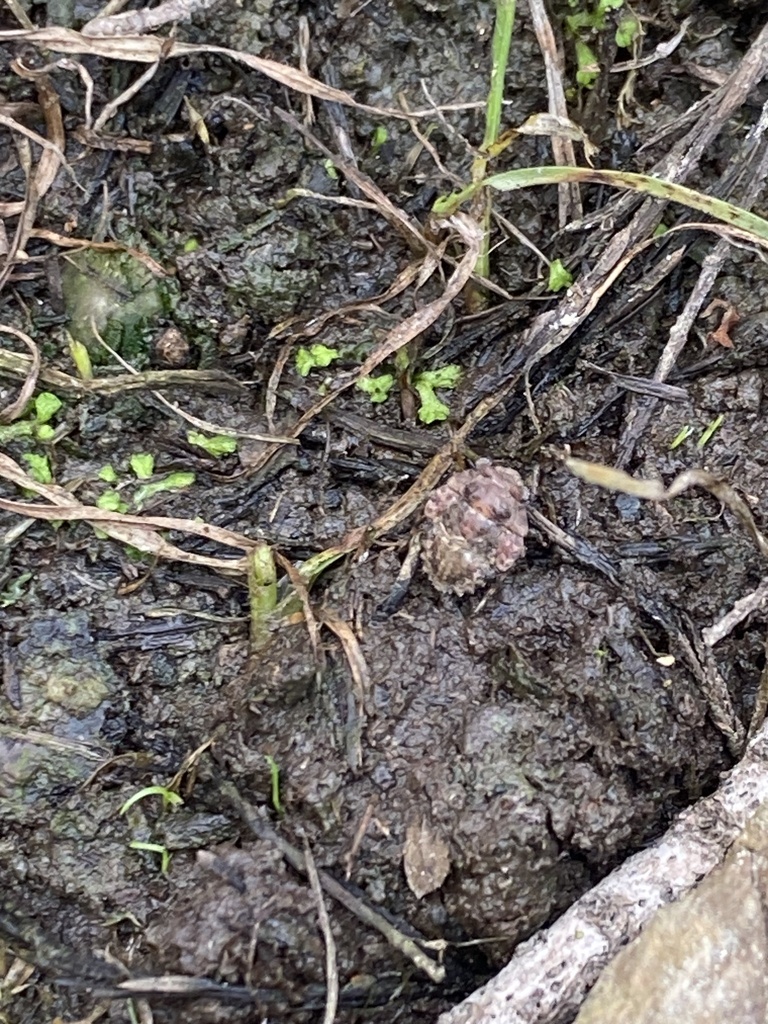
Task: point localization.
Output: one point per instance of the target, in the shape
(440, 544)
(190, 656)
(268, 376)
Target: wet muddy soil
(463, 748)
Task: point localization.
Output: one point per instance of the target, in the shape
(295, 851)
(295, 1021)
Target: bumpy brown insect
(476, 527)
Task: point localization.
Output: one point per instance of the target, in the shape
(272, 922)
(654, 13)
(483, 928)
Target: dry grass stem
(569, 200)
(16, 409)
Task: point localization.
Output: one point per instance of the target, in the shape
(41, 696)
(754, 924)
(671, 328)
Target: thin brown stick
(16, 409)
(406, 945)
(757, 601)
(569, 199)
(331, 970)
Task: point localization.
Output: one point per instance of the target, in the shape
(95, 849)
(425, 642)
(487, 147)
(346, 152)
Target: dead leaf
(722, 333)
(426, 858)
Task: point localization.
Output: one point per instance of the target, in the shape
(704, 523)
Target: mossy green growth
(431, 408)
(172, 482)
(314, 356)
(216, 444)
(120, 296)
(39, 467)
(377, 388)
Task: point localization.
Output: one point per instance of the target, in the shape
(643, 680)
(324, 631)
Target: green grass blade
(656, 187)
(502, 38)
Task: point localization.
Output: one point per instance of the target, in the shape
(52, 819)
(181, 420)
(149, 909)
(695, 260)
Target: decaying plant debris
(469, 765)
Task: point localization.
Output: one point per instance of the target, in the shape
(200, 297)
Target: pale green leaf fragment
(45, 432)
(710, 430)
(216, 445)
(559, 277)
(379, 137)
(108, 475)
(172, 482)
(628, 32)
(39, 467)
(111, 501)
(446, 377)
(143, 465)
(46, 406)
(377, 388)
(588, 66)
(81, 358)
(15, 590)
(682, 435)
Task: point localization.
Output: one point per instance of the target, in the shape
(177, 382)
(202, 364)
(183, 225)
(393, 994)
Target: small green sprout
(379, 137)
(682, 435)
(431, 409)
(81, 358)
(559, 277)
(583, 24)
(35, 425)
(330, 169)
(716, 423)
(274, 775)
(191, 245)
(402, 359)
(316, 355)
(108, 475)
(172, 482)
(217, 445)
(170, 798)
(165, 857)
(377, 388)
(143, 465)
(588, 67)
(39, 467)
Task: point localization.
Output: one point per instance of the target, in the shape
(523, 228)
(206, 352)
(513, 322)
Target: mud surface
(465, 764)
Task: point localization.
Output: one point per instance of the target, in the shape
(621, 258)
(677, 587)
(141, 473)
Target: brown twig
(331, 970)
(406, 945)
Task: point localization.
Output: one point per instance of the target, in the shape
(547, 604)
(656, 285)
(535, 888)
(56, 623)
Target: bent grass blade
(526, 177)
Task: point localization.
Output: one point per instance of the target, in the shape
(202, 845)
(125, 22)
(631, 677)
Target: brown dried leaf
(426, 858)
(151, 49)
